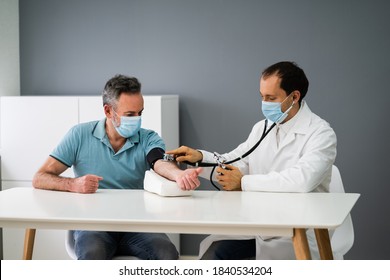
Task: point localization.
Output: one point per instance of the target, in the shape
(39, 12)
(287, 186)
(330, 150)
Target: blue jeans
(231, 250)
(100, 245)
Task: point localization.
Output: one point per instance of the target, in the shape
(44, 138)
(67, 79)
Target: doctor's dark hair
(117, 85)
(291, 75)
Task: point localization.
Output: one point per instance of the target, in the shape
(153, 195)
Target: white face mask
(129, 125)
(273, 111)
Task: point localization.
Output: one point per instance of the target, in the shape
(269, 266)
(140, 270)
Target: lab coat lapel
(300, 127)
(290, 137)
(272, 141)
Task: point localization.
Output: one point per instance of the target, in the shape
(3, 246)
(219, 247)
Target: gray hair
(116, 86)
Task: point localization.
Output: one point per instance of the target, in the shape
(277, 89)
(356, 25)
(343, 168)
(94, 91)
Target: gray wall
(9, 48)
(211, 53)
(9, 59)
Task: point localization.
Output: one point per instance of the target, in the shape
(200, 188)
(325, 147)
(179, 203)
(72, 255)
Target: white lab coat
(302, 162)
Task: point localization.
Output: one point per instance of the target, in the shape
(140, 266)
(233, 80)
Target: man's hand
(86, 184)
(188, 179)
(229, 178)
(185, 153)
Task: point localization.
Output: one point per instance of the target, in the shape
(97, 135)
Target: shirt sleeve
(152, 141)
(66, 150)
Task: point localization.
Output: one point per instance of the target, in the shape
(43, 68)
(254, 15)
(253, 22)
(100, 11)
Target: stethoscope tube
(264, 134)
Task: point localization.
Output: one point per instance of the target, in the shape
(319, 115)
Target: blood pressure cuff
(154, 155)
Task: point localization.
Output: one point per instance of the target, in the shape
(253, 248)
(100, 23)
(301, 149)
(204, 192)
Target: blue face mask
(129, 126)
(273, 111)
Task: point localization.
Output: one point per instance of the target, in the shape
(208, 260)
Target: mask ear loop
(116, 116)
(282, 117)
(288, 110)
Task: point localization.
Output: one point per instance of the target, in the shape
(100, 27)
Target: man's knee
(93, 246)
(92, 253)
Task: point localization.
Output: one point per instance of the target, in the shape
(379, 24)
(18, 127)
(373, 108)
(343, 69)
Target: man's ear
(108, 111)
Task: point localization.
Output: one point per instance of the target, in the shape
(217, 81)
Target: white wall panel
(151, 116)
(91, 108)
(31, 128)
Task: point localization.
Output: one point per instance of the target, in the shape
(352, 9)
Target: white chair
(343, 236)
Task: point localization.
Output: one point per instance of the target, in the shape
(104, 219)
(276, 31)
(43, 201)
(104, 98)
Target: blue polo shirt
(87, 149)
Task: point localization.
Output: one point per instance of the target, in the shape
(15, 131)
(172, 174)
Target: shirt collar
(285, 127)
(100, 129)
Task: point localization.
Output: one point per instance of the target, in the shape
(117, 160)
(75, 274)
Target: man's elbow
(36, 181)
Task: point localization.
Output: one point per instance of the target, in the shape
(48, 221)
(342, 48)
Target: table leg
(324, 246)
(29, 238)
(301, 246)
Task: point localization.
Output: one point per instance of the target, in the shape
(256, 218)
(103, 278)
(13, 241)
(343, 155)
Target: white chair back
(343, 236)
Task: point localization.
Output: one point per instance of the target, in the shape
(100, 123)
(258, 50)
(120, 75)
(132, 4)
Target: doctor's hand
(188, 179)
(229, 178)
(185, 153)
(86, 184)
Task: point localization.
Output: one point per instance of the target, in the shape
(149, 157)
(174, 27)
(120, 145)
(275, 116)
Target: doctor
(296, 156)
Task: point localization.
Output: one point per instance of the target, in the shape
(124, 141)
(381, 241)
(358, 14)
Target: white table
(205, 212)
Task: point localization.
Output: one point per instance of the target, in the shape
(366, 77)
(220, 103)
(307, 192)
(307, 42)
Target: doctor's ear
(296, 96)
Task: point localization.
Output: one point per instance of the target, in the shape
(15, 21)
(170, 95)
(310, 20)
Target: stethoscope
(221, 161)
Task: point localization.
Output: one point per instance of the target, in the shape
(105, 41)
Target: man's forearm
(168, 170)
(49, 181)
